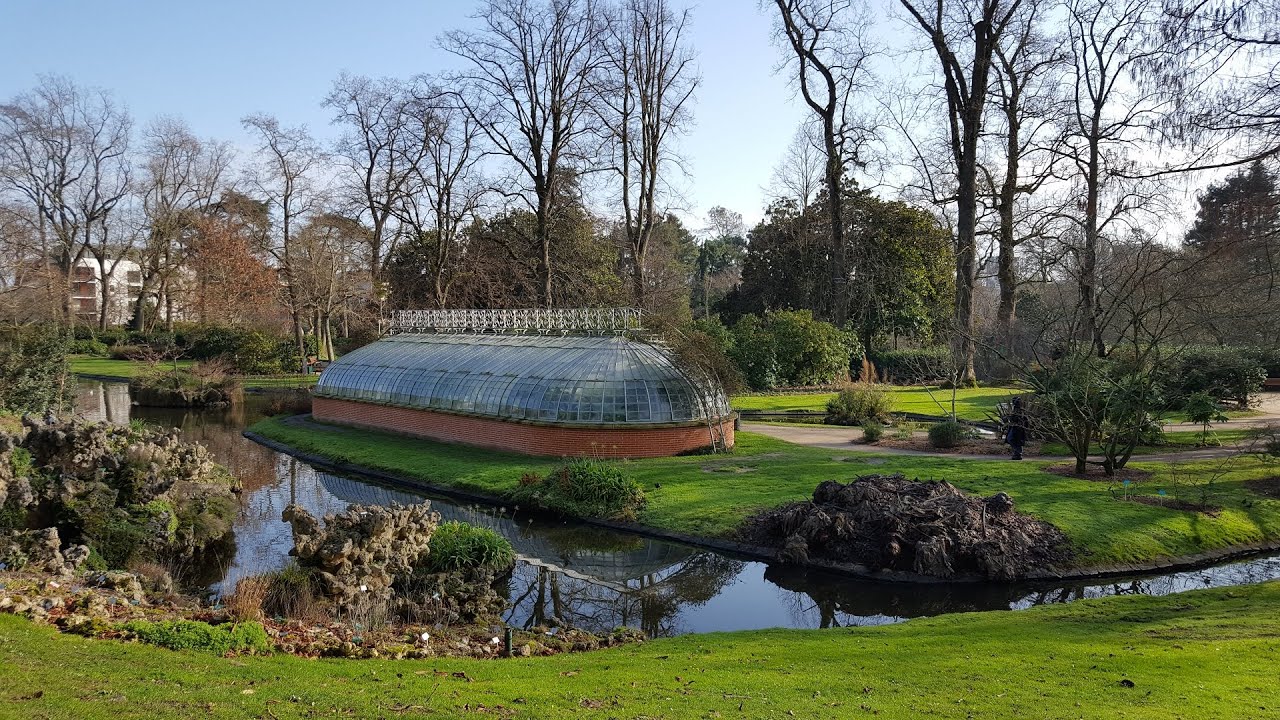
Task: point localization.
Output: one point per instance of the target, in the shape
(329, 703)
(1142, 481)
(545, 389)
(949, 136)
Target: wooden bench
(1271, 384)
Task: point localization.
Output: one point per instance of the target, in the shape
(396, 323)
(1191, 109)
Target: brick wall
(520, 437)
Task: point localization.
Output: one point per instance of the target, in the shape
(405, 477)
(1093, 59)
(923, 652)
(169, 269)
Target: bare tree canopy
(649, 81)
(831, 57)
(530, 84)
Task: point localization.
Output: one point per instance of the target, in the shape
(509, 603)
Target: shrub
(872, 431)
(249, 637)
(949, 434)
(859, 402)
(456, 546)
(1228, 374)
(34, 373)
(586, 488)
(88, 347)
(128, 352)
(916, 366)
(809, 351)
(752, 350)
(788, 347)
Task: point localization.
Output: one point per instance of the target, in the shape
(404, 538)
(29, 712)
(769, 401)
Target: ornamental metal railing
(540, 320)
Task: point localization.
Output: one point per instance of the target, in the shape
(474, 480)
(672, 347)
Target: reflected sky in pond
(599, 579)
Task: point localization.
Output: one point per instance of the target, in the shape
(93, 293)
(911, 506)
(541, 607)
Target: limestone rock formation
(360, 553)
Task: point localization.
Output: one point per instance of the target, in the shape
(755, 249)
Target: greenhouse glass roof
(570, 379)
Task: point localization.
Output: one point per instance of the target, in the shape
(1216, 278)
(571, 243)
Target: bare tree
(446, 189)
(284, 174)
(1109, 117)
(799, 173)
(180, 179)
(63, 151)
(649, 78)
(380, 147)
(964, 37)
(832, 61)
(530, 86)
(1027, 70)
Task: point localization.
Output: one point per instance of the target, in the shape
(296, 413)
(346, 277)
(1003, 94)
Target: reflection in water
(597, 579)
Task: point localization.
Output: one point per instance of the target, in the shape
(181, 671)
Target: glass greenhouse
(557, 379)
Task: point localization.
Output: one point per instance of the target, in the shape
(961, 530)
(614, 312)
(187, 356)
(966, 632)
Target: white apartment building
(123, 288)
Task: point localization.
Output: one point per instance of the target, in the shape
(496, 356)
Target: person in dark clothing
(1016, 433)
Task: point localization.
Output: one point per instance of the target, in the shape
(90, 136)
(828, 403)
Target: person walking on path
(1016, 434)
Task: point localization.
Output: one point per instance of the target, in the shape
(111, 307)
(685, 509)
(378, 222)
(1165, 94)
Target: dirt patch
(969, 447)
(1267, 487)
(728, 469)
(1176, 504)
(930, 528)
(1095, 473)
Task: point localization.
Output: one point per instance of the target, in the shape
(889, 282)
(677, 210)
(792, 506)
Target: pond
(597, 579)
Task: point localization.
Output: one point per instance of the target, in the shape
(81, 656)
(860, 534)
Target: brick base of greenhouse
(522, 437)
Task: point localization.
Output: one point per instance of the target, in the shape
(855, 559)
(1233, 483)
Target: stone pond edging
(756, 552)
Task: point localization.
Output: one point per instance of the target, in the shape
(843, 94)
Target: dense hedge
(915, 366)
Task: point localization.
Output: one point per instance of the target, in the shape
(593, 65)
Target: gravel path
(850, 438)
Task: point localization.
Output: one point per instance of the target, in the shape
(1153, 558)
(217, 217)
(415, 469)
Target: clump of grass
(458, 546)
(248, 638)
(246, 602)
(291, 592)
(586, 488)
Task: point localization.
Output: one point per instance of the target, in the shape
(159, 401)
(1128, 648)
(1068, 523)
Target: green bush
(585, 488)
(248, 637)
(456, 546)
(88, 347)
(915, 366)
(752, 350)
(949, 434)
(1228, 374)
(790, 348)
(34, 373)
(859, 402)
(809, 351)
(872, 431)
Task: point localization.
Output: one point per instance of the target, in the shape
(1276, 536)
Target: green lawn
(1175, 440)
(1203, 654)
(711, 495)
(971, 403)
(126, 369)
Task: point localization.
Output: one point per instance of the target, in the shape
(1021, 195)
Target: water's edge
(1197, 561)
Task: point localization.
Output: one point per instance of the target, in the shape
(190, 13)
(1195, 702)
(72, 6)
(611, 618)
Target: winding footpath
(836, 437)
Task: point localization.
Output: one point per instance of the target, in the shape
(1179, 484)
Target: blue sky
(213, 63)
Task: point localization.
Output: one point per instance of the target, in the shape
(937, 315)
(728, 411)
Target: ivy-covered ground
(1203, 654)
(710, 496)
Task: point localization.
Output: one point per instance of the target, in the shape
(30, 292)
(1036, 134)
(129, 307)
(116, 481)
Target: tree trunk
(543, 232)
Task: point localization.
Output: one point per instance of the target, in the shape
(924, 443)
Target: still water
(597, 579)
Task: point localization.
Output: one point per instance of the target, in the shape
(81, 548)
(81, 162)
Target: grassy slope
(126, 369)
(971, 403)
(1210, 653)
(711, 495)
